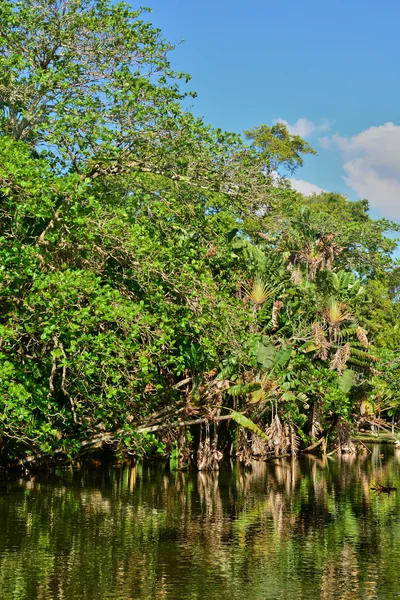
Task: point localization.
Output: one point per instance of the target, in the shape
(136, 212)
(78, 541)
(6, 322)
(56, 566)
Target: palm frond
(258, 291)
(340, 358)
(241, 389)
(336, 313)
(248, 424)
(362, 336)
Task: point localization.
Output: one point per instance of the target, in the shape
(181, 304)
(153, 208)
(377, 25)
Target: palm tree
(336, 314)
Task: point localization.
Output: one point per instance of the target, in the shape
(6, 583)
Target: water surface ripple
(307, 529)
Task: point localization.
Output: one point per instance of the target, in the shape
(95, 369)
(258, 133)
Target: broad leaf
(266, 355)
(248, 424)
(346, 380)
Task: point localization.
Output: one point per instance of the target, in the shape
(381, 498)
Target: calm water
(291, 530)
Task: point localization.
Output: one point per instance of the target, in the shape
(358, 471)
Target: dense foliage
(157, 272)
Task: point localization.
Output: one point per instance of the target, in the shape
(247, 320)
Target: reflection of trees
(303, 529)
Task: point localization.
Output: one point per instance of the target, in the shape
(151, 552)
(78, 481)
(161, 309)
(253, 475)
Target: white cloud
(305, 187)
(325, 142)
(372, 165)
(304, 127)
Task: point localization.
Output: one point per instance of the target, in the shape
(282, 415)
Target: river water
(307, 529)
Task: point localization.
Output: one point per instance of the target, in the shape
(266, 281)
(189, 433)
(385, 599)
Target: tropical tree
(162, 290)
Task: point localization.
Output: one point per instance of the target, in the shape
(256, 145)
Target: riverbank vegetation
(163, 289)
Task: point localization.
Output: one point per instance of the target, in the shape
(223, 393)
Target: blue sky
(329, 69)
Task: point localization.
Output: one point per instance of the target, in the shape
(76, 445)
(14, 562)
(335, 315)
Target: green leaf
(243, 388)
(283, 356)
(248, 424)
(346, 381)
(265, 355)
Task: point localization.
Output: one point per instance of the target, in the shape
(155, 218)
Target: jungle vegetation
(163, 289)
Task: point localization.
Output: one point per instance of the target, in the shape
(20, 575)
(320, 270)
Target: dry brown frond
(258, 446)
(340, 358)
(336, 361)
(310, 256)
(345, 353)
(279, 436)
(320, 341)
(296, 277)
(278, 304)
(211, 251)
(362, 336)
(329, 249)
(244, 451)
(294, 441)
(208, 455)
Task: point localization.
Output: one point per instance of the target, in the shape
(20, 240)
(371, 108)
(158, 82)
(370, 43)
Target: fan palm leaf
(259, 291)
(336, 313)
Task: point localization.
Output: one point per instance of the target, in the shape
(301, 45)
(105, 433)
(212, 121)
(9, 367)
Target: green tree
(278, 149)
(150, 272)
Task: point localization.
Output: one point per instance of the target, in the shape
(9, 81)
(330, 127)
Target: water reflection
(286, 530)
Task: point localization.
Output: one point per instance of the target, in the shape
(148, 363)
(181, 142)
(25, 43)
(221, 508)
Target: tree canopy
(161, 291)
